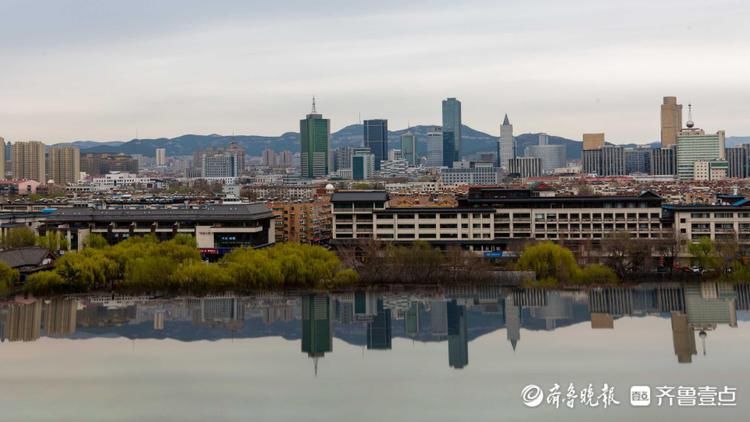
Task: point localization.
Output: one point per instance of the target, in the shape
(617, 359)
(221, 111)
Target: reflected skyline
(455, 316)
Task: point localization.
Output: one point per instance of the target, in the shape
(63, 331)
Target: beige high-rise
(671, 121)
(2, 157)
(593, 141)
(64, 165)
(28, 161)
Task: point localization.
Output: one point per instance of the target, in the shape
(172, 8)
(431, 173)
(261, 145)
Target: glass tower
(451, 131)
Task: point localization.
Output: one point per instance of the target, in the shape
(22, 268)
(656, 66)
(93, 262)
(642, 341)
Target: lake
(444, 354)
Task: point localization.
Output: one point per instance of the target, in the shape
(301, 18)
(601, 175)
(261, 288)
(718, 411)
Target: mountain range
(474, 142)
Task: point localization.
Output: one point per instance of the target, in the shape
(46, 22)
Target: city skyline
(151, 70)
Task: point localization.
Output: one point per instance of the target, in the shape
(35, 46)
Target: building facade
(451, 131)
(64, 165)
(409, 148)
(695, 145)
(435, 148)
(376, 138)
(662, 161)
(525, 167)
(29, 161)
(315, 139)
(506, 144)
(671, 121)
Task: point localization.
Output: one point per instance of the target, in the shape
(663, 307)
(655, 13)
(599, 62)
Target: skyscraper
(552, 156)
(29, 161)
(2, 157)
(379, 331)
(671, 121)
(315, 140)
(435, 147)
(693, 145)
(662, 161)
(317, 327)
(638, 160)
(161, 157)
(737, 158)
(363, 164)
(64, 165)
(506, 147)
(239, 155)
(451, 131)
(613, 160)
(376, 138)
(409, 148)
(458, 341)
(593, 141)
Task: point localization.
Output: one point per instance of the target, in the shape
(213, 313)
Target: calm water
(442, 355)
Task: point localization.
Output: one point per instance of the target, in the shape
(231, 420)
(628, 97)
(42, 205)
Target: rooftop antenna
(690, 123)
(314, 110)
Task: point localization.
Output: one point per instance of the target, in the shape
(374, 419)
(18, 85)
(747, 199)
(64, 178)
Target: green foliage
(596, 274)
(704, 252)
(46, 283)
(202, 278)
(96, 241)
(52, 240)
(8, 277)
(550, 262)
(19, 237)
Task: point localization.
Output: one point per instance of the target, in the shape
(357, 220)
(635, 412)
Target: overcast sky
(105, 70)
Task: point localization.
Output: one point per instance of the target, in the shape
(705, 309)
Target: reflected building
(458, 341)
(512, 321)
(683, 338)
(602, 321)
(218, 311)
(439, 318)
(24, 321)
(379, 332)
(159, 320)
(412, 320)
(617, 301)
(317, 327)
(556, 308)
(59, 316)
(365, 305)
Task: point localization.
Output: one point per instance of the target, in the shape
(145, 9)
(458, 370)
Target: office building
(683, 338)
(458, 341)
(435, 148)
(29, 161)
(394, 155)
(593, 141)
(239, 156)
(638, 160)
(451, 131)
(710, 170)
(317, 327)
(409, 148)
(394, 168)
(99, 164)
(671, 121)
(59, 317)
(376, 138)
(439, 318)
(693, 145)
(219, 164)
(315, 139)
(737, 159)
(613, 160)
(475, 174)
(506, 144)
(161, 157)
(268, 158)
(662, 161)
(552, 156)
(379, 330)
(64, 165)
(363, 164)
(512, 321)
(3, 157)
(592, 161)
(525, 167)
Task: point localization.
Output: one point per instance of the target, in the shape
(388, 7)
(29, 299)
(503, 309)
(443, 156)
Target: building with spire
(512, 321)
(694, 145)
(317, 327)
(315, 144)
(451, 131)
(458, 341)
(506, 150)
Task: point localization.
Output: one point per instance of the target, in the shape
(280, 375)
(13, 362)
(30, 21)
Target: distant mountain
(474, 142)
(737, 140)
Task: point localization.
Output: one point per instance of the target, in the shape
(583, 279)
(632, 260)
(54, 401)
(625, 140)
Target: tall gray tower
(506, 148)
(451, 131)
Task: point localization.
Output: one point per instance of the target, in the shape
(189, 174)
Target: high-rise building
(693, 145)
(552, 156)
(8, 161)
(671, 121)
(710, 170)
(512, 321)
(451, 131)
(98, 164)
(269, 158)
(64, 165)
(525, 167)
(59, 317)
(638, 160)
(662, 161)
(376, 138)
(592, 161)
(219, 164)
(737, 158)
(2, 157)
(439, 318)
(29, 161)
(161, 157)
(239, 155)
(593, 141)
(683, 338)
(317, 326)
(506, 147)
(363, 164)
(379, 330)
(435, 147)
(458, 340)
(315, 140)
(613, 160)
(409, 147)
(285, 159)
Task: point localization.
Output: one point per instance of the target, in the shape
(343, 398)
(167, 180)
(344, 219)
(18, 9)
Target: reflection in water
(455, 315)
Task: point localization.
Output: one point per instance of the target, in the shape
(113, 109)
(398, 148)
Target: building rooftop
(204, 213)
(360, 196)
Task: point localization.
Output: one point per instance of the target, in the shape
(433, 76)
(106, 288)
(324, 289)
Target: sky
(104, 70)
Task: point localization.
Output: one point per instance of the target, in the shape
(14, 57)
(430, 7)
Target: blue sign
(493, 254)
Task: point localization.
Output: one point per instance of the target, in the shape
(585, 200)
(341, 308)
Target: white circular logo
(532, 395)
